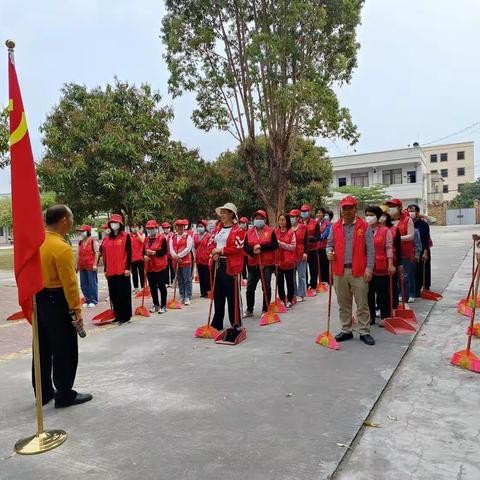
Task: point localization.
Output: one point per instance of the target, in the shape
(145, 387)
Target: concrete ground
(168, 406)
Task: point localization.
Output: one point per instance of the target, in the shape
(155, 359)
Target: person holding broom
(285, 258)
(138, 275)
(301, 239)
(200, 244)
(226, 251)
(350, 248)
(313, 229)
(156, 262)
(181, 244)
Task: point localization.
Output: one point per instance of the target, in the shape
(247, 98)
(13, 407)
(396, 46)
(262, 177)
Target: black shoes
(343, 336)
(367, 339)
(80, 398)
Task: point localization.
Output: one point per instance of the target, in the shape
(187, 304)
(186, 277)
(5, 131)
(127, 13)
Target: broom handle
(473, 260)
(318, 267)
(474, 309)
(402, 286)
(329, 297)
(144, 282)
(424, 268)
(213, 293)
(471, 283)
(262, 278)
(391, 295)
(175, 283)
(276, 282)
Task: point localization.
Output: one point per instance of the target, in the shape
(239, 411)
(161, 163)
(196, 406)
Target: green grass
(6, 259)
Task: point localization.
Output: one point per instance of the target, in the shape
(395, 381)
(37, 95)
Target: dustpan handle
(329, 294)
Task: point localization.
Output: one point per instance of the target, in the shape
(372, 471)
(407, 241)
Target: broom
(207, 331)
(173, 304)
(322, 286)
(277, 306)
(464, 306)
(267, 317)
(326, 339)
(428, 294)
(142, 309)
(465, 358)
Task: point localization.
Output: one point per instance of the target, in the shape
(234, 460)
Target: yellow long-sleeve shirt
(58, 268)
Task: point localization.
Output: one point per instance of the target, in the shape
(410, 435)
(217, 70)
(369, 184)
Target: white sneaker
(162, 310)
(289, 305)
(187, 302)
(154, 309)
(411, 300)
(84, 305)
(300, 299)
(91, 305)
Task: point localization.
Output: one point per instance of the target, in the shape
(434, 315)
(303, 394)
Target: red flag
(28, 229)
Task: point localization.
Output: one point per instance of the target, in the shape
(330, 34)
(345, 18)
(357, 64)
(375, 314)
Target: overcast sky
(417, 79)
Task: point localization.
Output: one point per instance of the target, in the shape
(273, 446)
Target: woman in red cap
(117, 258)
(155, 251)
(285, 258)
(138, 238)
(313, 229)
(87, 261)
(260, 245)
(301, 240)
(181, 245)
(243, 224)
(200, 243)
(167, 230)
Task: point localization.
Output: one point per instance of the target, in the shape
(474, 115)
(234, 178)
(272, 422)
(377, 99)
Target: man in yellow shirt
(56, 304)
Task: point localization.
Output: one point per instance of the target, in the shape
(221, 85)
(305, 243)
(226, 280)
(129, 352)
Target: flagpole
(43, 440)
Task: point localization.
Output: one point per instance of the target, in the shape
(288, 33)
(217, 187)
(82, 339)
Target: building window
(445, 189)
(433, 158)
(444, 157)
(460, 155)
(359, 179)
(392, 177)
(444, 172)
(461, 172)
(433, 171)
(342, 182)
(412, 177)
(460, 187)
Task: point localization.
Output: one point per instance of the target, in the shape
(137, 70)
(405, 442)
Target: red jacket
(408, 247)
(323, 226)
(156, 263)
(114, 252)
(285, 259)
(311, 226)
(380, 243)
(233, 250)
(178, 246)
(201, 248)
(359, 253)
(86, 254)
(300, 234)
(266, 258)
(137, 247)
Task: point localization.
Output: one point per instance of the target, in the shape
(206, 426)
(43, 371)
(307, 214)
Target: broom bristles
(269, 319)
(467, 360)
(206, 331)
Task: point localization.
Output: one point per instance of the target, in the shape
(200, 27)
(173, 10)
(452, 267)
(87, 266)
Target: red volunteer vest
(156, 264)
(381, 260)
(178, 246)
(233, 249)
(300, 236)
(266, 258)
(115, 254)
(408, 247)
(311, 225)
(359, 253)
(86, 254)
(323, 227)
(285, 259)
(137, 248)
(201, 248)
(393, 230)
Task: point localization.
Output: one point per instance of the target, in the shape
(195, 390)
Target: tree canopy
(4, 136)
(366, 196)
(264, 68)
(47, 199)
(466, 198)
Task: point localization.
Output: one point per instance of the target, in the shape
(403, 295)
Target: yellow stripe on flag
(20, 131)
(10, 105)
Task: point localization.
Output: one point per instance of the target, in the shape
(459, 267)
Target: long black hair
(287, 218)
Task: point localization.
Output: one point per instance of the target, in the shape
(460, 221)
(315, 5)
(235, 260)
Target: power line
(453, 134)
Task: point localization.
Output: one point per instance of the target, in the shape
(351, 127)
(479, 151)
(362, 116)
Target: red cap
(116, 218)
(243, 220)
(348, 201)
(165, 225)
(151, 224)
(306, 208)
(294, 213)
(394, 201)
(203, 222)
(262, 213)
(181, 221)
(85, 228)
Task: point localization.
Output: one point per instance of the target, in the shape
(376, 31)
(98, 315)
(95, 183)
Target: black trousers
(138, 273)
(379, 294)
(313, 269)
(285, 275)
(395, 292)
(419, 275)
(253, 279)
(157, 281)
(58, 346)
(225, 291)
(324, 266)
(120, 290)
(170, 272)
(245, 269)
(204, 278)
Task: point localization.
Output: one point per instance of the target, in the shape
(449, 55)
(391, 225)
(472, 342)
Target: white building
(404, 172)
(5, 232)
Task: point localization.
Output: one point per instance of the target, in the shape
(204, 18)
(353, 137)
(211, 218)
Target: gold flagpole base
(40, 442)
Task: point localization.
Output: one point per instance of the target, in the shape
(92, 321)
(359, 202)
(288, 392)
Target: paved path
(168, 406)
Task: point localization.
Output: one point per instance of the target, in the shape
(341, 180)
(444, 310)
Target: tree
(4, 136)
(365, 196)
(466, 198)
(47, 199)
(264, 68)
(108, 149)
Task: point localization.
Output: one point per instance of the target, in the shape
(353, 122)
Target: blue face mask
(304, 215)
(293, 220)
(259, 223)
(201, 230)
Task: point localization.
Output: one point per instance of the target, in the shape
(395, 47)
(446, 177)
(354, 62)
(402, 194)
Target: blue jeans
(185, 282)
(89, 285)
(408, 279)
(300, 279)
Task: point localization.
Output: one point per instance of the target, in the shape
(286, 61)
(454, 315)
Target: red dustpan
(397, 325)
(236, 334)
(326, 339)
(145, 292)
(107, 316)
(267, 318)
(466, 358)
(142, 309)
(428, 294)
(207, 331)
(403, 311)
(16, 316)
(173, 304)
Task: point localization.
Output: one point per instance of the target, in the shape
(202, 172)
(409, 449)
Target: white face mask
(151, 232)
(293, 220)
(115, 226)
(243, 226)
(383, 219)
(201, 230)
(371, 220)
(327, 217)
(392, 211)
(134, 230)
(83, 235)
(304, 215)
(413, 215)
(166, 230)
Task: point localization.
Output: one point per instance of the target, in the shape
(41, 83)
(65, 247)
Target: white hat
(227, 206)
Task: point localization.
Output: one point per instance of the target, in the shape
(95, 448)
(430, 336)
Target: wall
(439, 211)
